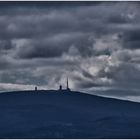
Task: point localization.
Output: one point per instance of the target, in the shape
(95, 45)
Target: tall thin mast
(67, 83)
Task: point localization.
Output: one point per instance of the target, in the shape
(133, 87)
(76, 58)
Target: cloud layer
(95, 44)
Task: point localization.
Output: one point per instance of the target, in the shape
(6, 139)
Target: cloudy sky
(95, 44)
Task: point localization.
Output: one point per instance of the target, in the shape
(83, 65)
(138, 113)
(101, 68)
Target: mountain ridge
(66, 114)
(59, 92)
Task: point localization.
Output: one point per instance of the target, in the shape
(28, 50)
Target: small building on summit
(35, 88)
(60, 87)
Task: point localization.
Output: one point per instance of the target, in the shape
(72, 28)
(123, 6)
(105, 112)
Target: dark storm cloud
(4, 63)
(52, 46)
(95, 43)
(118, 18)
(47, 4)
(131, 39)
(5, 44)
(86, 84)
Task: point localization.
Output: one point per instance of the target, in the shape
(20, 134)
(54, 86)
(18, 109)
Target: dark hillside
(66, 114)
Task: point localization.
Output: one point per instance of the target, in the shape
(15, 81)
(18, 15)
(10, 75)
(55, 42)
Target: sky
(95, 44)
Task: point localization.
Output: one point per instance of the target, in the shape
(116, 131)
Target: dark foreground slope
(63, 114)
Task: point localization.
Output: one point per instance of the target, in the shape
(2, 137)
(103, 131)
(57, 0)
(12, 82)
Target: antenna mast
(67, 83)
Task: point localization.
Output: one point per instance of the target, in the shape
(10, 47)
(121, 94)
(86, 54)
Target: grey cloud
(53, 46)
(86, 84)
(96, 45)
(131, 39)
(118, 19)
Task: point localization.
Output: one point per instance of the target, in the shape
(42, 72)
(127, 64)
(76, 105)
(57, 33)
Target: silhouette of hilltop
(66, 114)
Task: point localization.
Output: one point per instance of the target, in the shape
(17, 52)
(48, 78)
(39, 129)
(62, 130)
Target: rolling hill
(66, 114)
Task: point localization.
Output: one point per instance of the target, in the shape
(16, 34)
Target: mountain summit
(66, 114)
